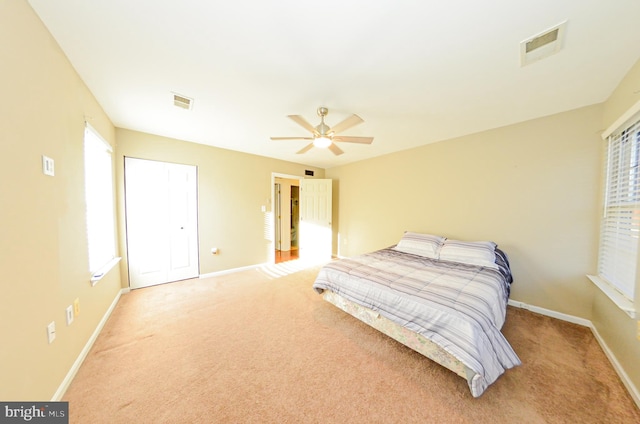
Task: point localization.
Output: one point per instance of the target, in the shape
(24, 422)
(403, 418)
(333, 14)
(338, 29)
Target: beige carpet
(253, 347)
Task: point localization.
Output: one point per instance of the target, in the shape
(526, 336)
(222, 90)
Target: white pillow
(481, 253)
(425, 245)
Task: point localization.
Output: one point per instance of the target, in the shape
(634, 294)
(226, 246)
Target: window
(620, 226)
(99, 200)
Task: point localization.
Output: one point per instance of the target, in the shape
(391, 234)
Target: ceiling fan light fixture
(324, 136)
(322, 142)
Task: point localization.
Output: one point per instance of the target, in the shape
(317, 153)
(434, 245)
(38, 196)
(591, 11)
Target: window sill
(616, 297)
(98, 275)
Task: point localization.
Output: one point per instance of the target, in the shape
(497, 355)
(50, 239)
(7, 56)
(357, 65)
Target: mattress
(460, 307)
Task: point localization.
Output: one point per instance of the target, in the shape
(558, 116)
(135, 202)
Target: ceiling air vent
(181, 101)
(542, 45)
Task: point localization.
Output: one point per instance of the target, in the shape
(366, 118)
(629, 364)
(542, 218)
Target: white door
(315, 219)
(162, 222)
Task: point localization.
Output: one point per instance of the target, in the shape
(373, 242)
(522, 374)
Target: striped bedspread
(458, 306)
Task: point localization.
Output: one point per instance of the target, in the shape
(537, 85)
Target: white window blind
(99, 200)
(620, 227)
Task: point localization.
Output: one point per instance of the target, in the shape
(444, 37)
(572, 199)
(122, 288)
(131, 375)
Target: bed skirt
(401, 334)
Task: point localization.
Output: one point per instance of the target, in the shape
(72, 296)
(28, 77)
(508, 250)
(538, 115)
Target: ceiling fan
(325, 136)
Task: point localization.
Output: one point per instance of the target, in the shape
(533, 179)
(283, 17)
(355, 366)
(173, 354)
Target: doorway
(301, 218)
(286, 219)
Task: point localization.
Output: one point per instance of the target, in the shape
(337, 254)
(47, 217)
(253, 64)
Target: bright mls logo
(34, 412)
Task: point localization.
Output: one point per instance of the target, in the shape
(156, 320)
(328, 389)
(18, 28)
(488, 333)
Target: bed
(446, 299)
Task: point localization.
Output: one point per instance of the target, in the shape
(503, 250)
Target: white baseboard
(85, 351)
(273, 269)
(631, 388)
(232, 270)
(550, 313)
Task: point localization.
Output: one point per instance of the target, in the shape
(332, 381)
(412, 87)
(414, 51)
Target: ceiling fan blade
(335, 149)
(302, 122)
(291, 138)
(305, 148)
(349, 139)
(347, 123)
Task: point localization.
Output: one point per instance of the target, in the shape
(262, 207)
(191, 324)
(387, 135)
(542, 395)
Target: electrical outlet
(69, 314)
(51, 331)
(76, 307)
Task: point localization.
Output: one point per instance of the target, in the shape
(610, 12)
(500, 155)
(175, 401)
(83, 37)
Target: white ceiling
(417, 72)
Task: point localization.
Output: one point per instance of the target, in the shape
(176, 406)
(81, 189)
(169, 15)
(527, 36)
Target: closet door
(162, 222)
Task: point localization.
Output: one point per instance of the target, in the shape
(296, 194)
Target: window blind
(99, 200)
(620, 227)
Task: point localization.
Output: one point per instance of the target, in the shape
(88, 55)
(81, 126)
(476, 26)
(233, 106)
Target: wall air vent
(182, 102)
(542, 45)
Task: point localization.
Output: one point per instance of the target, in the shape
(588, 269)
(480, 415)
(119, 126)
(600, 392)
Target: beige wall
(623, 97)
(534, 188)
(232, 188)
(44, 250)
(617, 328)
(531, 188)
(44, 259)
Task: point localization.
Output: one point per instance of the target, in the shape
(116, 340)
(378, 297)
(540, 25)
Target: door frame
(274, 175)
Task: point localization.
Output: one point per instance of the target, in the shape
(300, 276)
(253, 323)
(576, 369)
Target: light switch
(47, 166)
(69, 312)
(51, 331)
